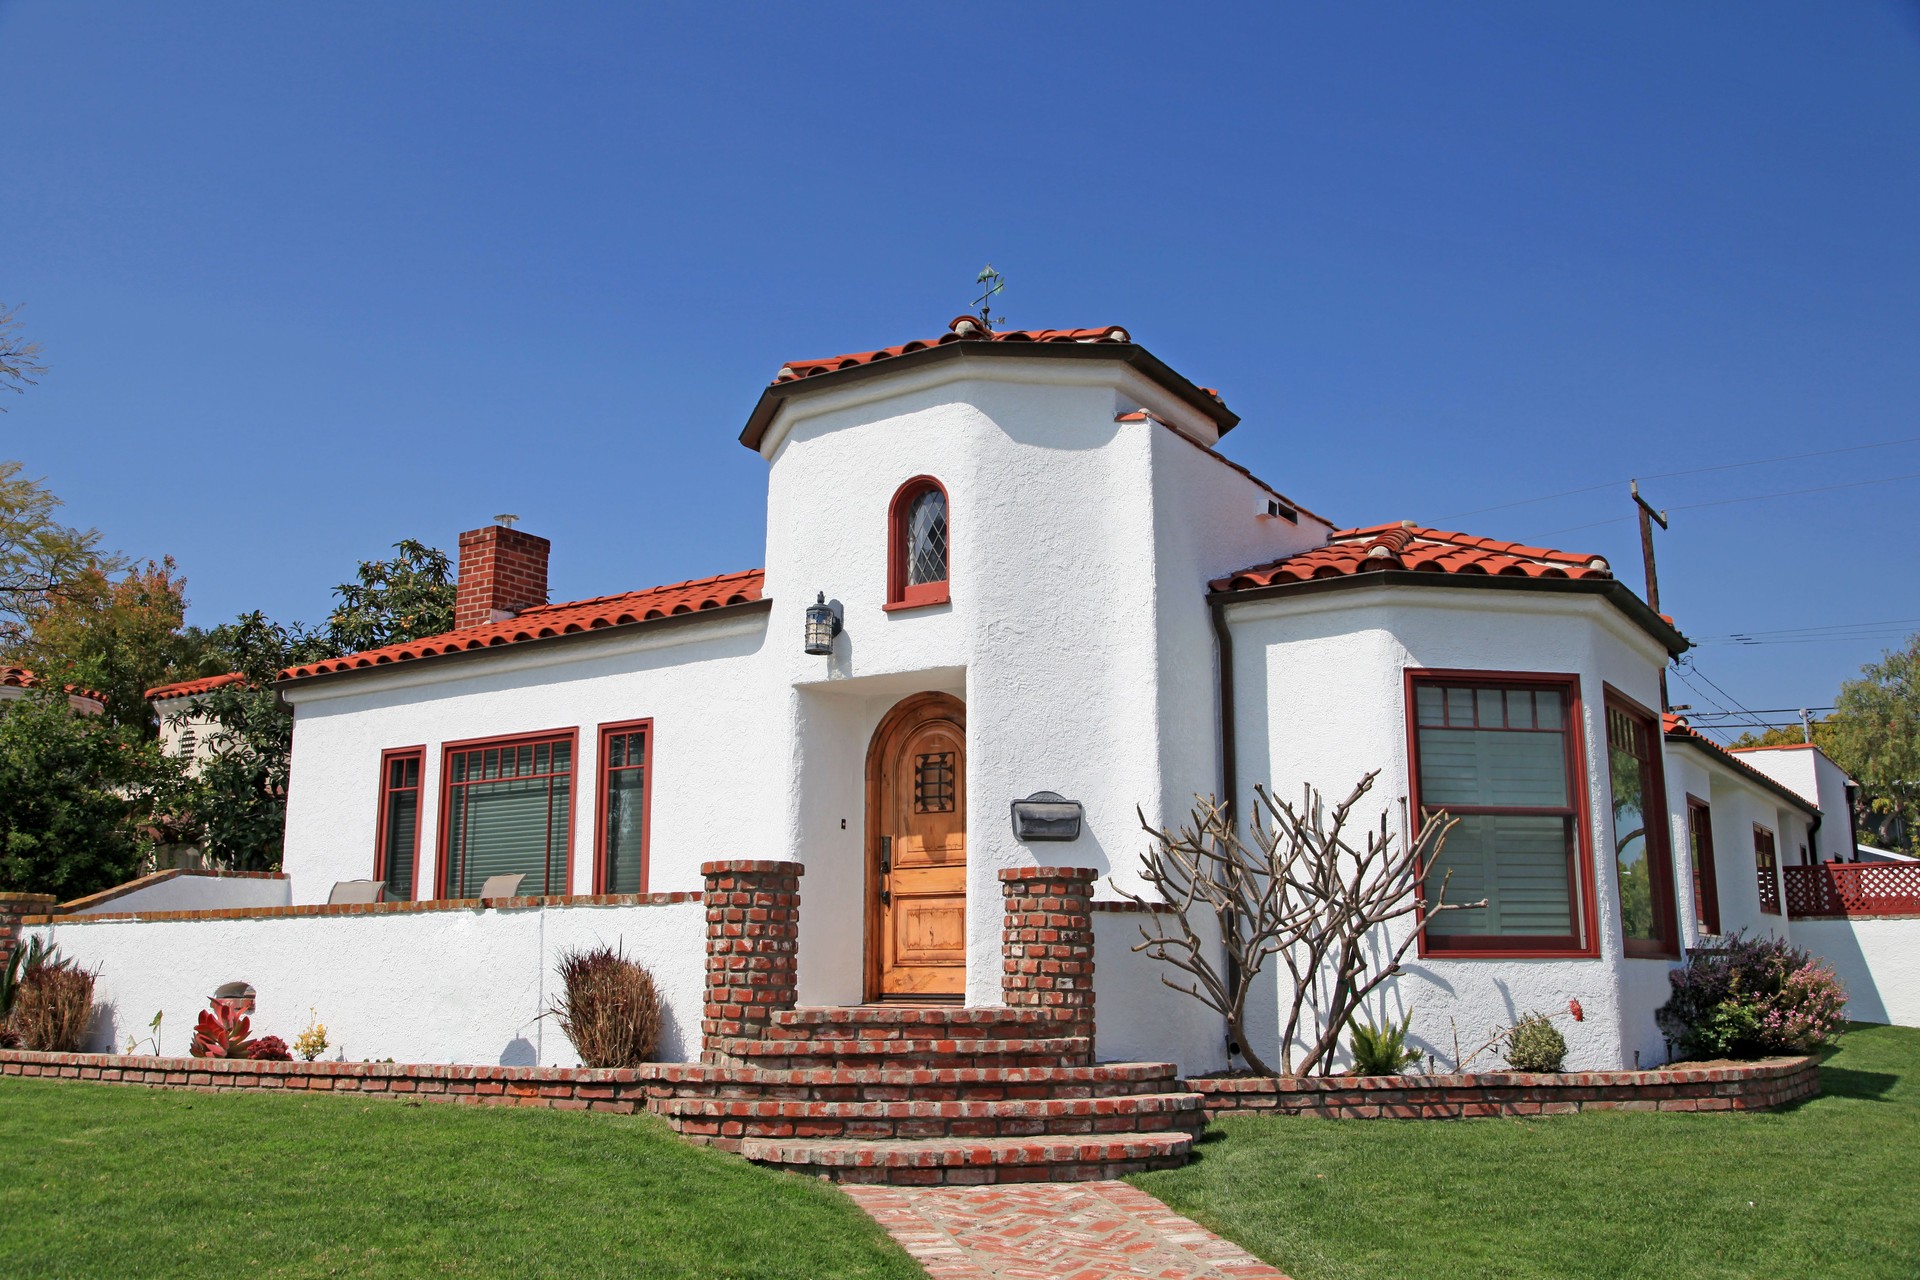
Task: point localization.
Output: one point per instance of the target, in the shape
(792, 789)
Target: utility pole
(1648, 518)
(1806, 726)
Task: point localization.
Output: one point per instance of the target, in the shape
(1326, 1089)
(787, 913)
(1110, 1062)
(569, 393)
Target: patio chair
(357, 891)
(502, 886)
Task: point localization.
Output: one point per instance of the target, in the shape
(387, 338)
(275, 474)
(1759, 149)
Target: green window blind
(400, 824)
(508, 811)
(1495, 759)
(625, 768)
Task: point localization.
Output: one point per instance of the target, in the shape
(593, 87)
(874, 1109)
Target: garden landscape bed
(1742, 1086)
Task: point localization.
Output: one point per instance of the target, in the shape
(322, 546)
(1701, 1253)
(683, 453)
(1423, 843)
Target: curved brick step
(939, 1052)
(967, 1118)
(901, 1083)
(957, 1161)
(909, 1022)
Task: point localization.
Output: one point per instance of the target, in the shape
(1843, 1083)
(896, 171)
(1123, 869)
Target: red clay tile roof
(187, 688)
(1408, 546)
(571, 617)
(962, 329)
(1678, 730)
(21, 678)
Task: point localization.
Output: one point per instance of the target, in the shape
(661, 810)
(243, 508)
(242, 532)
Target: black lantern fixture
(823, 624)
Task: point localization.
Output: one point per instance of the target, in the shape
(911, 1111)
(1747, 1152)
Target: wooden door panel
(916, 804)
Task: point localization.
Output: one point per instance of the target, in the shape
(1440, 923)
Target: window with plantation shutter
(621, 842)
(1500, 756)
(507, 812)
(398, 850)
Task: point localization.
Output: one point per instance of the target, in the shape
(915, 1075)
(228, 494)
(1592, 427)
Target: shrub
(221, 1033)
(1754, 998)
(1535, 1044)
(312, 1042)
(608, 1007)
(11, 1039)
(1381, 1051)
(269, 1049)
(52, 1004)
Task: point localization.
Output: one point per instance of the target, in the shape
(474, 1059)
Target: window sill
(1508, 953)
(901, 606)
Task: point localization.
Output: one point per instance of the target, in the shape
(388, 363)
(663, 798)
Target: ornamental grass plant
(51, 1004)
(608, 1007)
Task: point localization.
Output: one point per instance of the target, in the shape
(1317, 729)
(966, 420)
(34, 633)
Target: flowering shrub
(312, 1042)
(1759, 996)
(269, 1049)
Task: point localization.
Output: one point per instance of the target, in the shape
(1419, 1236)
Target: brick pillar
(1047, 944)
(753, 946)
(12, 907)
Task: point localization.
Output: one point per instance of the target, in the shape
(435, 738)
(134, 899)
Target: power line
(1831, 626)
(1692, 471)
(1684, 672)
(1758, 497)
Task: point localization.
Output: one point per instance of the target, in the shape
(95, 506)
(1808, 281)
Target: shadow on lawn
(1843, 1082)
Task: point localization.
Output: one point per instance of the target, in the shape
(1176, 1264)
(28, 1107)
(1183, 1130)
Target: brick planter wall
(753, 947)
(1755, 1086)
(1047, 944)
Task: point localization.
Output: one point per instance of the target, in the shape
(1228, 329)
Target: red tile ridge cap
(570, 617)
(22, 678)
(960, 329)
(187, 688)
(1409, 546)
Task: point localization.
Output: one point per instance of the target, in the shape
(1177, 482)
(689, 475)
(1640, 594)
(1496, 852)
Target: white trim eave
(1373, 595)
(529, 655)
(1126, 382)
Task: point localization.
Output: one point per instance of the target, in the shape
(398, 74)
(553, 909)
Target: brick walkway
(1053, 1231)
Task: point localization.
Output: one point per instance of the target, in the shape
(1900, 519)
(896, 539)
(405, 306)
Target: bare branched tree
(20, 365)
(1301, 890)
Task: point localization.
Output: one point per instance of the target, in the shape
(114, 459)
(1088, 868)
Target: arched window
(918, 540)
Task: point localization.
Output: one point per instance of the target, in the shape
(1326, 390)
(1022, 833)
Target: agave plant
(1381, 1051)
(222, 1033)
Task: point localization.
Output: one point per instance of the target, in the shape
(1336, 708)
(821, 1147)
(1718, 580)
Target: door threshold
(908, 1002)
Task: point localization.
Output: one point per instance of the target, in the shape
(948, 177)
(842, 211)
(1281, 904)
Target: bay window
(1500, 754)
(507, 811)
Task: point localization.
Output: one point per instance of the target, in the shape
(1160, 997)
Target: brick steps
(960, 1161)
(854, 1052)
(909, 1022)
(965, 1118)
(925, 1084)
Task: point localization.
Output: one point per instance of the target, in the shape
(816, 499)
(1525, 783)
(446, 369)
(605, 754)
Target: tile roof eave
(1722, 755)
(445, 658)
(1616, 593)
(1130, 353)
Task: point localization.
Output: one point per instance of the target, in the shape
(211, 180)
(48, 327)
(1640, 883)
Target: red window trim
(899, 594)
(1706, 881)
(1666, 910)
(601, 771)
(570, 735)
(1587, 945)
(380, 812)
(1767, 876)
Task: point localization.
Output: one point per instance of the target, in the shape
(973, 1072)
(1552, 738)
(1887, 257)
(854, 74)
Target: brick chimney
(502, 571)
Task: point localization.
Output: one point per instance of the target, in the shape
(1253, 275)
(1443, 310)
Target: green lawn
(112, 1181)
(1829, 1188)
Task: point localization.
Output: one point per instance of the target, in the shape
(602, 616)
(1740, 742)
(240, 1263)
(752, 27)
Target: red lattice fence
(1849, 889)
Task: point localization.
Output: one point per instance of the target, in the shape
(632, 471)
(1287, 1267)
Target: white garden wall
(1878, 961)
(462, 986)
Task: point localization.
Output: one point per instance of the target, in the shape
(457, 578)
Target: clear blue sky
(316, 278)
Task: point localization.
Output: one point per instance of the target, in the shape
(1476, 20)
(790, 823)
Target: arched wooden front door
(917, 851)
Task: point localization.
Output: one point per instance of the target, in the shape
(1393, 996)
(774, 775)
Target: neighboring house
(186, 733)
(1000, 568)
(15, 681)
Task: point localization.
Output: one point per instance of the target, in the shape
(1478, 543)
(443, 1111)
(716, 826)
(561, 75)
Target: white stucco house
(15, 681)
(999, 566)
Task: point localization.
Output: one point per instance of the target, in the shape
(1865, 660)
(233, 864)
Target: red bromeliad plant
(222, 1033)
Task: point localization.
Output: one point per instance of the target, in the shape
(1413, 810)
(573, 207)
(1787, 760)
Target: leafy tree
(394, 601)
(20, 365)
(40, 558)
(237, 803)
(120, 636)
(74, 792)
(1874, 734)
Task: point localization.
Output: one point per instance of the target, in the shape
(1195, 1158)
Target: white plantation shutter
(508, 814)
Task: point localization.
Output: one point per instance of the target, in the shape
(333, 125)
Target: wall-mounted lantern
(823, 624)
(1046, 815)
